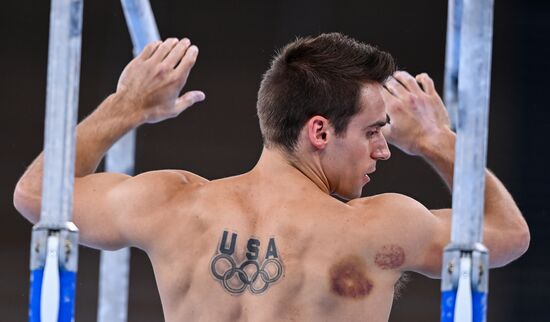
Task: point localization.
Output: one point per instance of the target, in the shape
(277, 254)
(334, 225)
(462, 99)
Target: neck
(282, 166)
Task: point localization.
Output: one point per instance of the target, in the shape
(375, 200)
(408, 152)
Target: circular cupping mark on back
(348, 278)
(390, 257)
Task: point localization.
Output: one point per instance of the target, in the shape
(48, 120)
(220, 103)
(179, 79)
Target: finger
(427, 83)
(149, 50)
(177, 53)
(407, 81)
(164, 49)
(386, 90)
(187, 62)
(387, 93)
(188, 99)
(390, 101)
(396, 88)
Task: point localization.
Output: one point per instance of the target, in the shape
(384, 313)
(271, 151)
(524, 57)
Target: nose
(382, 151)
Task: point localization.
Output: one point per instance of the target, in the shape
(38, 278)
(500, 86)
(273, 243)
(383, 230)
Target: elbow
(523, 238)
(519, 241)
(26, 202)
(511, 245)
(520, 235)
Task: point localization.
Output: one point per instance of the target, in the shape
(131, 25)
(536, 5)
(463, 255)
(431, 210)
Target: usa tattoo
(252, 273)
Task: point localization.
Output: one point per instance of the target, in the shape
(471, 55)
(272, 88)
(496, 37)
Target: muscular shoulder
(396, 216)
(389, 204)
(148, 189)
(173, 180)
(171, 177)
(146, 202)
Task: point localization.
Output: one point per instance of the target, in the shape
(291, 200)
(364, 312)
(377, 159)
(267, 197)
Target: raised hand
(418, 116)
(151, 83)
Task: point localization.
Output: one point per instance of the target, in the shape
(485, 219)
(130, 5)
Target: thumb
(188, 99)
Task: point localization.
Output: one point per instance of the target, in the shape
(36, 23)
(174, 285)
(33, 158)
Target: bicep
(424, 234)
(96, 212)
(433, 235)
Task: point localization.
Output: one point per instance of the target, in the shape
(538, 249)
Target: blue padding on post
(448, 300)
(479, 306)
(37, 276)
(67, 296)
(67, 288)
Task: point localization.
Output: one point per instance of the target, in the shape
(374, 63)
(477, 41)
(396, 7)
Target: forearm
(440, 155)
(100, 130)
(147, 92)
(94, 136)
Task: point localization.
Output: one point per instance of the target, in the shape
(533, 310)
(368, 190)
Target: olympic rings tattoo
(257, 280)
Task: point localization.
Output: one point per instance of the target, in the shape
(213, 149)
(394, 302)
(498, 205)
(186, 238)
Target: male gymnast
(273, 244)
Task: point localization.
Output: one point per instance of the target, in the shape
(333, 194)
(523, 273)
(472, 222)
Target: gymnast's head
(318, 100)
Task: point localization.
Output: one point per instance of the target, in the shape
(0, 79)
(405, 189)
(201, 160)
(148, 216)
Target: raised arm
(147, 92)
(420, 126)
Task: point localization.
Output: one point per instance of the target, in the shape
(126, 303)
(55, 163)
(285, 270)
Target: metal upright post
(141, 23)
(114, 267)
(465, 268)
(54, 243)
(452, 55)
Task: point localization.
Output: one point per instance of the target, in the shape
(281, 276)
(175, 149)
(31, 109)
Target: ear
(318, 131)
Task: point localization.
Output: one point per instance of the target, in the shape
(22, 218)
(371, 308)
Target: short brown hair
(316, 76)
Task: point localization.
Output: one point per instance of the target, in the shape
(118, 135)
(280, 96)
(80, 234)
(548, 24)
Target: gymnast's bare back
(273, 244)
(304, 256)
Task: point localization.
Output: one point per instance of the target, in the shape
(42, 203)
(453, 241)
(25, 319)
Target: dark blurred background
(220, 137)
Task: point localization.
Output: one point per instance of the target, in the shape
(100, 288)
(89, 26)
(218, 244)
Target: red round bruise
(390, 257)
(348, 278)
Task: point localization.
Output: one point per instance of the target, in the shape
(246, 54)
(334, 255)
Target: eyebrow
(381, 123)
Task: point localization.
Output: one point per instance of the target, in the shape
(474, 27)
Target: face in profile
(351, 156)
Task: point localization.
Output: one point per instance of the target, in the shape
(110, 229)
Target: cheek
(353, 155)
(349, 155)
(361, 151)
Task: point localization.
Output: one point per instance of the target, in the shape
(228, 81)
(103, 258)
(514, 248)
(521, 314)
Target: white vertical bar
(114, 267)
(47, 294)
(61, 112)
(49, 306)
(473, 114)
(113, 286)
(452, 55)
(141, 23)
(462, 299)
